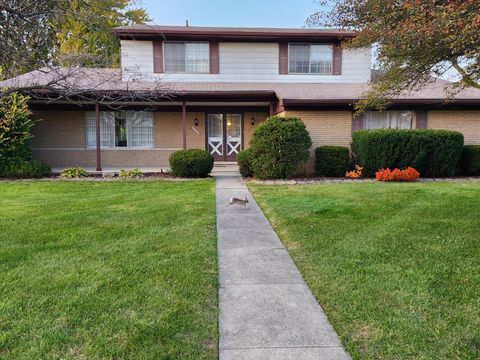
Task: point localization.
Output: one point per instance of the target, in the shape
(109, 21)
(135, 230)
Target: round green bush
(191, 163)
(244, 159)
(331, 160)
(279, 146)
(25, 170)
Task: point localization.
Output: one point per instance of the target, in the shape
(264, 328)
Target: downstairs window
(387, 120)
(126, 129)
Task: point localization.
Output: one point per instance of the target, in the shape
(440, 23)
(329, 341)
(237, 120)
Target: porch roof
(105, 82)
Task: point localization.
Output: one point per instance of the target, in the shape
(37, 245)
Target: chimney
(186, 23)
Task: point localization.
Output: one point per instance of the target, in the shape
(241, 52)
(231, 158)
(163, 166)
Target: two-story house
(209, 88)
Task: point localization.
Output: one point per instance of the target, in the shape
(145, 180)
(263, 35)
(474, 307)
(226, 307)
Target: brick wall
(248, 128)
(325, 128)
(168, 130)
(116, 158)
(467, 122)
(59, 129)
(59, 140)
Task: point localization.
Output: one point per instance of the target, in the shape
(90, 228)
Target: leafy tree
(44, 34)
(85, 39)
(16, 121)
(414, 40)
(25, 34)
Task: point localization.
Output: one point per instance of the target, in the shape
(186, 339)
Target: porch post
(97, 137)
(271, 109)
(184, 124)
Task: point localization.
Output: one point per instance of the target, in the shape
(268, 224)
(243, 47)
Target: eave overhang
(231, 34)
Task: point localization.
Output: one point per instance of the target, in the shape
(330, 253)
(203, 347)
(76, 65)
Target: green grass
(110, 270)
(396, 267)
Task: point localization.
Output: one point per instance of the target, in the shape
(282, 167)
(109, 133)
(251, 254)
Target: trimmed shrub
(191, 163)
(244, 159)
(25, 170)
(434, 153)
(331, 160)
(74, 172)
(131, 174)
(279, 145)
(470, 160)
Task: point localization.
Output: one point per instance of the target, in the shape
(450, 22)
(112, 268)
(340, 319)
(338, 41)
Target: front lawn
(396, 267)
(108, 270)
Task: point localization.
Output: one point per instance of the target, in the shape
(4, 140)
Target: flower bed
(408, 174)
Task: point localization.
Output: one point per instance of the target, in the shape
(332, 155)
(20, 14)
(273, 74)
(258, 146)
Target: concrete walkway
(266, 309)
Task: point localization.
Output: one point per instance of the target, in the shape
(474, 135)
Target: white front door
(234, 135)
(224, 135)
(215, 135)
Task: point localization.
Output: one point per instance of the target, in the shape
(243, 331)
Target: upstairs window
(310, 59)
(387, 120)
(130, 129)
(186, 57)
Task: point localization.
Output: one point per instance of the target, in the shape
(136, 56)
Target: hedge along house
(209, 88)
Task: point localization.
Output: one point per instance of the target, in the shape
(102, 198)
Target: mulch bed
(100, 178)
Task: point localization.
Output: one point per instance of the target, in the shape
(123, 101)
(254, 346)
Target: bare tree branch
(466, 78)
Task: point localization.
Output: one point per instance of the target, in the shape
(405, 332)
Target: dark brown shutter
(357, 122)
(283, 58)
(158, 57)
(422, 119)
(214, 57)
(337, 60)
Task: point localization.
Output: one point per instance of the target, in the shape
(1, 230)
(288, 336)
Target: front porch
(101, 139)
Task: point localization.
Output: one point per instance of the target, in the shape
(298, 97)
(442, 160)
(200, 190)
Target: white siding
(137, 59)
(356, 65)
(243, 62)
(248, 60)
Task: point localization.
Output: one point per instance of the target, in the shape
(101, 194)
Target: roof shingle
(98, 80)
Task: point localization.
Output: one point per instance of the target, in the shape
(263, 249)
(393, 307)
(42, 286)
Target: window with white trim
(387, 120)
(128, 129)
(187, 57)
(310, 59)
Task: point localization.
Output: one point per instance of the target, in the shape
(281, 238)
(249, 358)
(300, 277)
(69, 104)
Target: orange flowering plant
(355, 174)
(408, 174)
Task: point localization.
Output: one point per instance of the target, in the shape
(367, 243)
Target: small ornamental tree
(278, 146)
(16, 121)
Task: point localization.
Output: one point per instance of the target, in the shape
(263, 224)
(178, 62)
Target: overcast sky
(254, 13)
